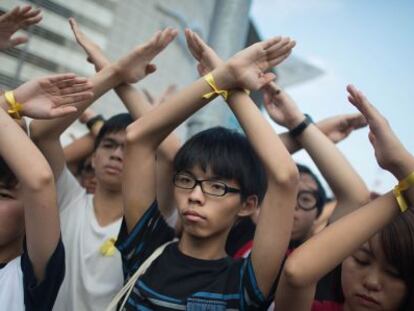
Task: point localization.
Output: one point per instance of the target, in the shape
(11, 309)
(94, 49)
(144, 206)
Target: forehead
(199, 173)
(307, 182)
(118, 136)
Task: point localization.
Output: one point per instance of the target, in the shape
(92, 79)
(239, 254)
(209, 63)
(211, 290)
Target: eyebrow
(111, 140)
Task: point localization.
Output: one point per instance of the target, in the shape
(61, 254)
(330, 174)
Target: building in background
(117, 26)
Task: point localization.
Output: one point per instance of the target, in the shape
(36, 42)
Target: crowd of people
(128, 217)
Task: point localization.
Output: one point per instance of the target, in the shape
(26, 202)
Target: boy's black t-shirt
(42, 296)
(175, 281)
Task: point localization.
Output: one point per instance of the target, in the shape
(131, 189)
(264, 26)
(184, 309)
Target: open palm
(52, 96)
(16, 19)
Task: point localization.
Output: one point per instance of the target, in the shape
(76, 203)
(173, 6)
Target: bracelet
(15, 107)
(301, 127)
(92, 121)
(403, 185)
(216, 91)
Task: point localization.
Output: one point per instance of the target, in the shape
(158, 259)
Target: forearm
(79, 149)
(15, 154)
(305, 265)
(290, 144)
(134, 100)
(347, 186)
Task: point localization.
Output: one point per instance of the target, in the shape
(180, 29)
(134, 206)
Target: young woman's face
(369, 282)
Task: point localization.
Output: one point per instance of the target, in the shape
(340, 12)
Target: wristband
(301, 127)
(15, 107)
(403, 185)
(92, 121)
(216, 91)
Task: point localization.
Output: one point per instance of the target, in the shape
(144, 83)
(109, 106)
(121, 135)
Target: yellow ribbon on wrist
(403, 185)
(108, 247)
(15, 107)
(216, 91)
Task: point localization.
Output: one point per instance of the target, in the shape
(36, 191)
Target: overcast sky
(368, 43)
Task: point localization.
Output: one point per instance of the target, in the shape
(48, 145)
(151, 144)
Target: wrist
(224, 79)
(301, 127)
(403, 167)
(295, 120)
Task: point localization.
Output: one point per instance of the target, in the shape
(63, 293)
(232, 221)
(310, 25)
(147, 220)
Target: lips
(113, 169)
(193, 216)
(367, 300)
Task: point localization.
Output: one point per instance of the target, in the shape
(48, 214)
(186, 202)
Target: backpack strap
(125, 292)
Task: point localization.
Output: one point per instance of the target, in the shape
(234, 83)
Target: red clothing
(326, 306)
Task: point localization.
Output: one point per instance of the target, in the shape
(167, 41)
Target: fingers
(77, 88)
(18, 40)
(357, 121)
(271, 42)
(266, 78)
(192, 44)
(75, 29)
(60, 77)
(358, 99)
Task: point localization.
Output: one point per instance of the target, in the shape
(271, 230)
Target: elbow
(288, 178)
(42, 179)
(293, 273)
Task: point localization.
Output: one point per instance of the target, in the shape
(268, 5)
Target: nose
(197, 195)
(372, 280)
(118, 153)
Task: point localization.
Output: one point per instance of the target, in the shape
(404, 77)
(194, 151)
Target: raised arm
(349, 189)
(14, 20)
(137, 104)
(34, 174)
(145, 134)
(129, 69)
(305, 266)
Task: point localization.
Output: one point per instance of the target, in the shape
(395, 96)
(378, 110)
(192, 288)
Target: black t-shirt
(42, 296)
(175, 281)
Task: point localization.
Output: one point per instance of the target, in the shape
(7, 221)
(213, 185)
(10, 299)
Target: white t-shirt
(92, 279)
(11, 288)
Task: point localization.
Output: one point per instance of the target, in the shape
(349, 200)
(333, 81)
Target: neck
(210, 248)
(11, 250)
(108, 205)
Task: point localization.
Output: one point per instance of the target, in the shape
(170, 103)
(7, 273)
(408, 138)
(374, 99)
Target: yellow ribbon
(216, 91)
(15, 107)
(108, 247)
(402, 186)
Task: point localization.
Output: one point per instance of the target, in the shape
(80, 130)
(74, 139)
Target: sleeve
(42, 296)
(251, 296)
(150, 232)
(68, 189)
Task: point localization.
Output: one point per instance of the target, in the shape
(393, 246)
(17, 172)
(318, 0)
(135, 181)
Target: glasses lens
(214, 187)
(306, 200)
(184, 181)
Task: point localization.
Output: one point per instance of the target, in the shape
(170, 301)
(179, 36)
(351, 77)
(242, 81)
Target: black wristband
(295, 132)
(91, 122)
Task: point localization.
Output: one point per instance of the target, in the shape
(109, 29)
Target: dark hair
(397, 240)
(320, 192)
(114, 124)
(228, 154)
(7, 177)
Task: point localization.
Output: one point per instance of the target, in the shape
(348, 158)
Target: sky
(369, 43)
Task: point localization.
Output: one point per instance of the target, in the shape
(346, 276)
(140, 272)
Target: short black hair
(228, 154)
(320, 192)
(7, 177)
(114, 124)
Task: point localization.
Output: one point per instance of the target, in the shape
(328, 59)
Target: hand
(338, 128)
(16, 19)
(94, 52)
(137, 65)
(205, 55)
(52, 96)
(281, 108)
(87, 115)
(247, 68)
(389, 151)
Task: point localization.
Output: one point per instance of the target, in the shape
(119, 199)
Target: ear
(249, 206)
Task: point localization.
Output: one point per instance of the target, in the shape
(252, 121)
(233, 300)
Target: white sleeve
(68, 189)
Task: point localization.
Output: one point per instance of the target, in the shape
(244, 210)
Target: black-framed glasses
(208, 186)
(307, 200)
